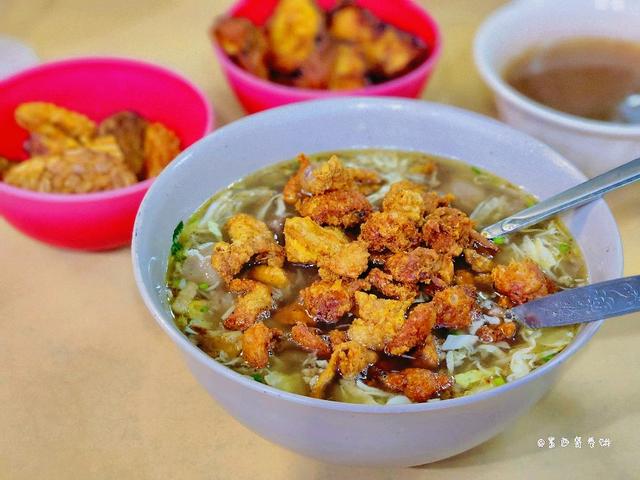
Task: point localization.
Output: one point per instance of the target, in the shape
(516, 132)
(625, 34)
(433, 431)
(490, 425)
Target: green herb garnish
(203, 286)
(546, 358)
(530, 201)
(499, 240)
(564, 247)
(476, 170)
(204, 309)
(258, 378)
(498, 381)
(176, 246)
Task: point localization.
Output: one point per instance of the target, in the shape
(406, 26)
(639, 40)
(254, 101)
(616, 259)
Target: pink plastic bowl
(256, 94)
(96, 87)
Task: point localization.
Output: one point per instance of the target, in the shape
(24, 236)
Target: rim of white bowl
(495, 81)
(276, 115)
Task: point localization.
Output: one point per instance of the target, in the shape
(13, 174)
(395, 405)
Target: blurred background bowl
(515, 28)
(96, 87)
(256, 94)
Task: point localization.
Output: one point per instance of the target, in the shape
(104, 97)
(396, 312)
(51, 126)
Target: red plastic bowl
(96, 87)
(256, 94)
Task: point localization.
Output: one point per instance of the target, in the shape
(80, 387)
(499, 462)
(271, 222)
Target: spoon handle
(582, 304)
(571, 198)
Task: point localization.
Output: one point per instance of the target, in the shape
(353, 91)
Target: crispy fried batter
(349, 69)
(416, 266)
(308, 339)
(94, 168)
(42, 145)
(336, 337)
(333, 175)
(418, 384)
(455, 307)
(254, 301)
(379, 320)
(274, 276)
(128, 128)
(349, 359)
(54, 122)
(292, 189)
(497, 333)
(426, 356)
(412, 200)
(522, 281)
(383, 282)
(215, 342)
(349, 260)
(447, 230)
(243, 42)
(292, 32)
(414, 331)
(327, 301)
(292, 314)
(306, 241)
(389, 231)
(161, 145)
(338, 208)
(250, 238)
(257, 344)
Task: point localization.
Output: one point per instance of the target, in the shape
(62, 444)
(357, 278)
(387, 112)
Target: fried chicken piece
(418, 384)
(419, 265)
(464, 277)
(306, 241)
(389, 231)
(497, 333)
(161, 145)
(80, 170)
(338, 208)
(292, 314)
(482, 244)
(292, 190)
(333, 175)
(245, 43)
(349, 69)
(250, 238)
(413, 200)
(379, 320)
(349, 359)
(273, 276)
(315, 71)
(522, 281)
(349, 260)
(309, 340)
(41, 145)
(292, 32)
(426, 356)
(353, 24)
(383, 282)
(393, 52)
(54, 122)
(327, 301)
(128, 128)
(478, 263)
(254, 301)
(215, 342)
(447, 230)
(5, 165)
(455, 307)
(414, 331)
(258, 342)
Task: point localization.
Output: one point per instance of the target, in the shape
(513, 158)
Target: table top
(90, 387)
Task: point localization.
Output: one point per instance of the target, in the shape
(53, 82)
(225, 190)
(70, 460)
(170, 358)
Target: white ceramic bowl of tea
(369, 435)
(516, 28)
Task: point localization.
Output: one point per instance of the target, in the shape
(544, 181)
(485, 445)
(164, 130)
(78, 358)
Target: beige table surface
(90, 387)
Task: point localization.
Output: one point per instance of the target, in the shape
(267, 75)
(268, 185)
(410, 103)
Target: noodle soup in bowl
(382, 433)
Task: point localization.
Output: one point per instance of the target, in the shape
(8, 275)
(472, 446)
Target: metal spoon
(628, 110)
(574, 197)
(580, 305)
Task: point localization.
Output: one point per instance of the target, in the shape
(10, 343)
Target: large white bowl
(593, 146)
(339, 432)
